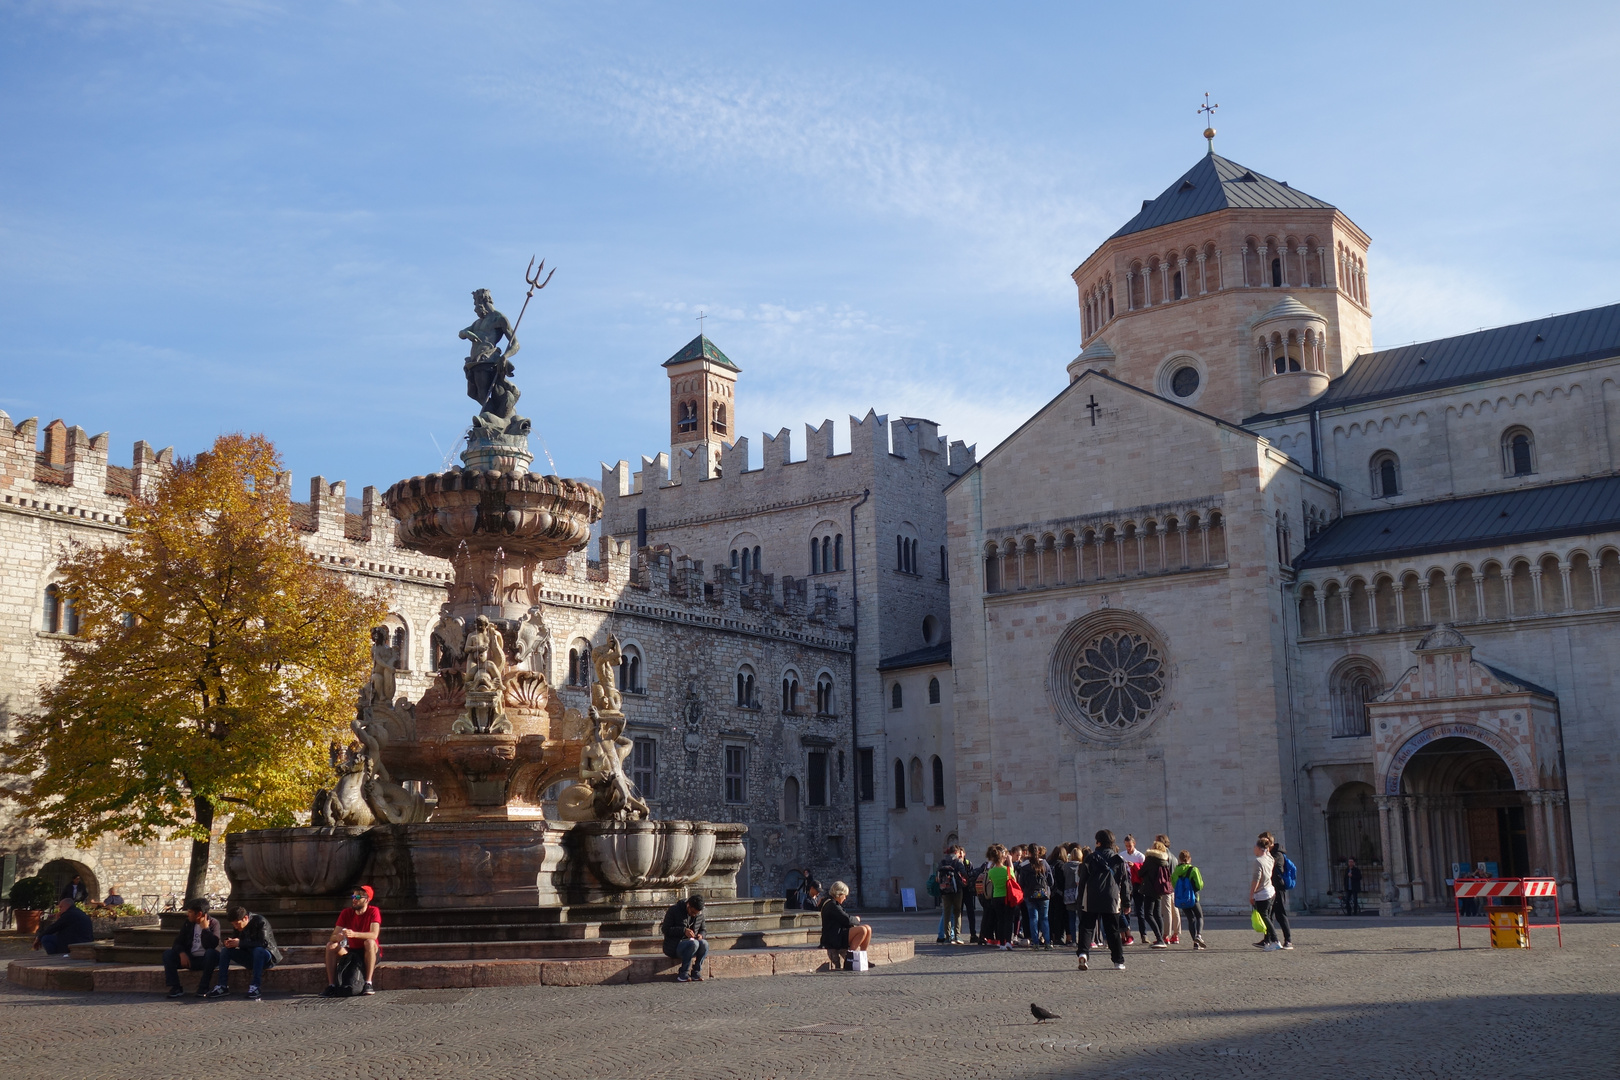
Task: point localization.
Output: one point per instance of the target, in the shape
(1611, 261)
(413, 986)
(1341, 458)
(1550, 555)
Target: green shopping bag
(1257, 922)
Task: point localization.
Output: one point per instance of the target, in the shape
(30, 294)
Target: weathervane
(1209, 132)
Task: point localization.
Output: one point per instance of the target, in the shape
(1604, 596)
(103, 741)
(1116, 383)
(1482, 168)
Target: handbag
(1257, 922)
(1015, 891)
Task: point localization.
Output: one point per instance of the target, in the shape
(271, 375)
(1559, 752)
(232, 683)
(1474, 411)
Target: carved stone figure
(534, 643)
(344, 803)
(485, 363)
(605, 696)
(446, 640)
(383, 660)
(499, 415)
(604, 791)
(485, 656)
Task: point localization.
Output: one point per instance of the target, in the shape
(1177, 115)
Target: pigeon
(1041, 1014)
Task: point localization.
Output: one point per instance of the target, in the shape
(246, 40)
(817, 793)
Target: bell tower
(702, 404)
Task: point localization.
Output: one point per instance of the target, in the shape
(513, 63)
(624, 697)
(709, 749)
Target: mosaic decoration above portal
(1108, 674)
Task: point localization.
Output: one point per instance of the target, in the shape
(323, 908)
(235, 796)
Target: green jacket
(1188, 870)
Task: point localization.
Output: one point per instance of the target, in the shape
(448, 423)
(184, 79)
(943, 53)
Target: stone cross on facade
(1093, 408)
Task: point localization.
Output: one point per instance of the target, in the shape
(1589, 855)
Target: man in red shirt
(359, 926)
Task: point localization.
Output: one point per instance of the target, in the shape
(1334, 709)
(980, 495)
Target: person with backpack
(1001, 885)
(1284, 876)
(1154, 888)
(1188, 883)
(1068, 870)
(1036, 880)
(1168, 910)
(1104, 898)
(1260, 893)
(951, 881)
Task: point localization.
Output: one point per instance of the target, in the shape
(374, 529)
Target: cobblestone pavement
(1355, 999)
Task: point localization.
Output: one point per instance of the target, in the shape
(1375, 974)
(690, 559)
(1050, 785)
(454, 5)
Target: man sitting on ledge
(70, 927)
(253, 946)
(683, 937)
(196, 947)
(359, 927)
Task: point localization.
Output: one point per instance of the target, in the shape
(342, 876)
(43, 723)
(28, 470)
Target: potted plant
(31, 897)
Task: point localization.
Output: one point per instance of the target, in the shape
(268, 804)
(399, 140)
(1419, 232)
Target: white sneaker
(1272, 946)
(1119, 967)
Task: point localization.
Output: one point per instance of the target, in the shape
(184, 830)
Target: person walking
(1133, 861)
(1284, 875)
(1153, 887)
(1188, 883)
(1105, 898)
(1352, 887)
(1058, 910)
(1036, 880)
(1261, 891)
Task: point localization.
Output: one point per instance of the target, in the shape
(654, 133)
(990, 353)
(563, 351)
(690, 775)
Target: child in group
(1188, 883)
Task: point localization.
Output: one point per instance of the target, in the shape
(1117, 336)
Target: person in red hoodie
(359, 926)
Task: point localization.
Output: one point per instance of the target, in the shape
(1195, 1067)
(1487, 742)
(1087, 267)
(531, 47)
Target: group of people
(842, 934)
(205, 946)
(1091, 894)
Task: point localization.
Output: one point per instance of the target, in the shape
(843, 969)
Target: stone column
(1164, 267)
(1130, 293)
(1451, 598)
(1344, 604)
(1220, 270)
(1119, 555)
(1423, 599)
(1417, 808)
(1162, 565)
(1597, 586)
(1535, 588)
(1327, 267)
(1203, 280)
(1400, 604)
(1569, 598)
(1181, 268)
(1265, 269)
(1479, 596)
(1372, 608)
(1321, 613)
(1203, 536)
(1540, 863)
(1282, 258)
(1304, 267)
(1397, 894)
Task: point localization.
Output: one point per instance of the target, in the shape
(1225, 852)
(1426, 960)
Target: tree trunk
(197, 876)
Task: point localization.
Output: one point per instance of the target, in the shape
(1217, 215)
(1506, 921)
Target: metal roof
(1554, 341)
(700, 347)
(1218, 184)
(933, 654)
(1503, 517)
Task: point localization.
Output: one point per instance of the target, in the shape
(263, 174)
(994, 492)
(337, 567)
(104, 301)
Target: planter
(28, 921)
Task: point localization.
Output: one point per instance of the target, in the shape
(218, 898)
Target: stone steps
(56, 973)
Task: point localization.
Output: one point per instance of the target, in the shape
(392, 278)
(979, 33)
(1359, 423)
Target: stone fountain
(490, 735)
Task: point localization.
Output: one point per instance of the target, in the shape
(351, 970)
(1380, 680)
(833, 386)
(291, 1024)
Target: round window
(1184, 383)
(1108, 674)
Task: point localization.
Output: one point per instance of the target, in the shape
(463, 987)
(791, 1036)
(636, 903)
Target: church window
(745, 688)
(1184, 383)
(402, 658)
(1552, 585)
(790, 800)
(816, 774)
(52, 623)
(899, 784)
(1110, 305)
(838, 552)
(815, 554)
(579, 663)
(790, 691)
(939, 781)
(1276, 273)
(1386, 475)
(824, 695)
(896, 698)
(1354, 685)
(865, 768)
(1109, 674)
(688, 417)
(1518, 452)
(719, 418)
(826, 559)
(736, 774)
(630, 671)
(644, 767)
(933, 691)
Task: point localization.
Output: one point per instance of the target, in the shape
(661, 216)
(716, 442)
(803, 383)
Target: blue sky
(269, 217)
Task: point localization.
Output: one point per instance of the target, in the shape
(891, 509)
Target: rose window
(1108, 674)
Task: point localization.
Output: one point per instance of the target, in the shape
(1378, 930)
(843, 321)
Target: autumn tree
(216, 661)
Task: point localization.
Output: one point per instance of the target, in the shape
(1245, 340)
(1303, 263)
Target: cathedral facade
(1246, 573)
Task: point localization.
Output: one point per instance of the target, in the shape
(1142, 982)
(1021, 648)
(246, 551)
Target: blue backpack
(1290, 873)
(1185, 896)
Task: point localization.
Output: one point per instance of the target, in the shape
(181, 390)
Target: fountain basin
(636, 855)
(306, 862)
(537, 517)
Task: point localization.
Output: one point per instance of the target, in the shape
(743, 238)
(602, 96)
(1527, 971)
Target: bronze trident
(532, 276)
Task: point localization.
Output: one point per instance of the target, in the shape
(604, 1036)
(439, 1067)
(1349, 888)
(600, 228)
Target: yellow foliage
(216, 661)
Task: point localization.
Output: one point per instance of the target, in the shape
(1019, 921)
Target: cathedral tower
(1231, 292)
(702, 407)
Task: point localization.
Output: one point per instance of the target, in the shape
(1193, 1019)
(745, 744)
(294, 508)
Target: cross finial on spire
(700, 317)
(1209, 132)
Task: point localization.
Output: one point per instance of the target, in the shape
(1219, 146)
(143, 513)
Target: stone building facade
(1246, 573)
(865, 528)
(699, 753)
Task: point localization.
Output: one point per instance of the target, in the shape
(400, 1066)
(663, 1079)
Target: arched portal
(1465, 810)
(61, 871)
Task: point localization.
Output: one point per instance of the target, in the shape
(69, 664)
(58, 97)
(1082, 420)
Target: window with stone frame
(1386, 474)
(1354, 685)
(1518, 452)
(866, 774)
(939, 781)
(402, 652)
(824, 695)
(899, 784)
(629, 676)
(933, 691)
(896, 697)
(644, 767)
(746, 696)
(790, 692)
(816, 779)
(736, 773)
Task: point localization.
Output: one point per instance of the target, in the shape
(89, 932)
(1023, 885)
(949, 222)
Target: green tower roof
(701, 347)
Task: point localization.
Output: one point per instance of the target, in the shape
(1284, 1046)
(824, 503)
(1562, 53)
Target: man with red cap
(359, 926)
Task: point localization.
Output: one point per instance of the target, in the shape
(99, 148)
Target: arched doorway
(1463, 810)
(1353, 833)
(60, 871)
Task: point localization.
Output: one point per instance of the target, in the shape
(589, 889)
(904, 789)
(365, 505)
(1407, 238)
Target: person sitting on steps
(253, 945)
(70, 927)
(359, 928)
(683, 937)
(841, 932)
(196, 947)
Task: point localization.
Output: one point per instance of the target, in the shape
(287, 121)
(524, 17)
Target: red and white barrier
(1521, 890)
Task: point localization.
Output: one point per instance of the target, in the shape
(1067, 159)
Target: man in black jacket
(70, 927)
(253, 946)
(196, 947)
(1105, 898)
(683, 937)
